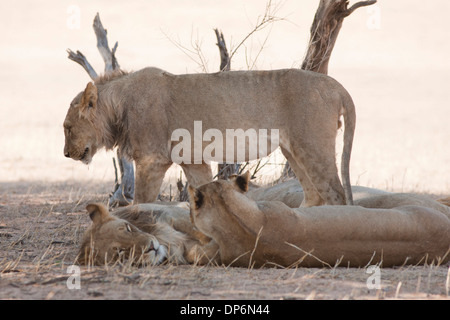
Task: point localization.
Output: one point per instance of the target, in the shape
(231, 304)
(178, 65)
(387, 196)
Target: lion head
(81, 134)
(213, 197)
(110, 238)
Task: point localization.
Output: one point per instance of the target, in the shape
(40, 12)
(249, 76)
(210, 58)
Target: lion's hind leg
(319, 167)
(311, 196)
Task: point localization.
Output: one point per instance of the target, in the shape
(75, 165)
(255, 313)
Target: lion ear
(97, 212)
(196, 197)
(89, 98)
(241, 182)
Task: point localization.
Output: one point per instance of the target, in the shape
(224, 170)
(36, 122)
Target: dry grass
(40, 229)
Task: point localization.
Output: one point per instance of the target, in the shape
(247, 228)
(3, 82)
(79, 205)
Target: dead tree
(225, 169)
(324, 31)
(323, 34)
(225, 61)
(123, 192)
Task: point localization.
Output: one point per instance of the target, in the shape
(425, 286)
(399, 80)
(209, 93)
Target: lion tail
(349, 131)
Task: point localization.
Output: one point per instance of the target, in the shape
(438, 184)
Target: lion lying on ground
(145, 234)
(140, 111)
(268, 233)
(234, 230)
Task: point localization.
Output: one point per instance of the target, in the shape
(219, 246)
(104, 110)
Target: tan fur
(139, 111)
(268, 233)
(146, 234)
(291, 194)
(393, 229)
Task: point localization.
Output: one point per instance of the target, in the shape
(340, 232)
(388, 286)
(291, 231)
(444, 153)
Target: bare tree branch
(225, 169)
(79, 58)
(268, 17)
(225, 62)
(103, 47)
(358, 5)
(123, 193)
(195, 54)
(115, 65)
(324, 31)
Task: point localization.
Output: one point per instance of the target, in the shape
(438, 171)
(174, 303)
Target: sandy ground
(392, 58)
(40, 228)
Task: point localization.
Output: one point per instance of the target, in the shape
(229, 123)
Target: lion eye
(118, 250)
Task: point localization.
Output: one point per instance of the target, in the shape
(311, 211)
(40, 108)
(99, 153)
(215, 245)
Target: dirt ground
(40, 229)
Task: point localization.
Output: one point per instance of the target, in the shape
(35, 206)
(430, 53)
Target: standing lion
(140, 111)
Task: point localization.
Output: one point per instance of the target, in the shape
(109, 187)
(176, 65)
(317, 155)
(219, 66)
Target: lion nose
(67, 154)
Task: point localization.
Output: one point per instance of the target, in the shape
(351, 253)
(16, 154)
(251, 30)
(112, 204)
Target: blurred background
(393, 58)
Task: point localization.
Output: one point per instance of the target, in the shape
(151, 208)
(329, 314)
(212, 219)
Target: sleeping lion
(269, 233)
(145, 234)
(231, 229)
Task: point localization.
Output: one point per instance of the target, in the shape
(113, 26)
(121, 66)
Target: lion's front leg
(149, 177)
